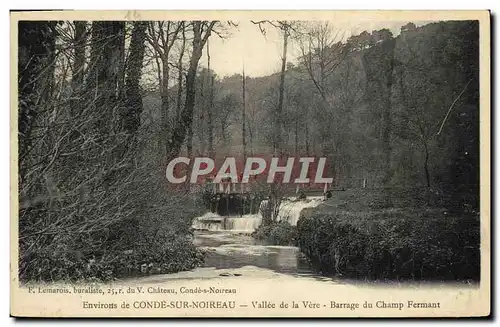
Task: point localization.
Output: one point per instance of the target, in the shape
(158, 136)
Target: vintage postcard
(250, 164)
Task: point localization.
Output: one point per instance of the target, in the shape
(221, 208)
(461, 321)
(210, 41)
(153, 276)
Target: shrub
(392, 244)
(155, 239)
(163, 256)
(277, 233)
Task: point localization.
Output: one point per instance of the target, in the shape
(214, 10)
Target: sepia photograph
(250, 164)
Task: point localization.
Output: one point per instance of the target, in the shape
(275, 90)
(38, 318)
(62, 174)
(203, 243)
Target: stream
(234, 255)
(229, 244)
(228, 249)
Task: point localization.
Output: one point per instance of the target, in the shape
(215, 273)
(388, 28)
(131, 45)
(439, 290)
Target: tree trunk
(103, 76)
(121, 64)
(275, 196)
(250, 138)
(102, 90)
(243, 118)
(164, 104)
(36, 46)
(133, 99)
(296, 135)
(186, 119)
(223, 132)
(210, 127)
(189, 145)
(201, 114)
(79, 51)
(278, 116)
(426, 165)
(179, 76)
(78, 69)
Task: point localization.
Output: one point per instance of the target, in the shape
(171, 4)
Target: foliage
(372, 105)
(277, 233)
(162, 256)
(93, 201)
(396, 243)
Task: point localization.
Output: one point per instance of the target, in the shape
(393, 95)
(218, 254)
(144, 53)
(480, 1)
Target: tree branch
(451, 107)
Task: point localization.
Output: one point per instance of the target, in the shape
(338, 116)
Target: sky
(261, 55)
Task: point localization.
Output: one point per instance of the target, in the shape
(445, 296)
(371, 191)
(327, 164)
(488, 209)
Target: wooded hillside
(104, 105)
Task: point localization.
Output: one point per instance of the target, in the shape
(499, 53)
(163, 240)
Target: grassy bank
(391, 234)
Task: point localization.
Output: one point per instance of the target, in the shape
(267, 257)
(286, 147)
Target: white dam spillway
(289, 211)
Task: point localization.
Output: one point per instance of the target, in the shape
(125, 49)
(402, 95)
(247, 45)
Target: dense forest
(376, 105)
(104, 105)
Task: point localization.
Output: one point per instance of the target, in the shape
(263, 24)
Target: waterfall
(246, 223)
(214, 222)
(209, 221)
(289, 211)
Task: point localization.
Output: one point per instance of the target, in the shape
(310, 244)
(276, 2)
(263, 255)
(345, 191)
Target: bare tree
(322, 52)
(286, 28)
(162, 36)
(243, 116)
(201, 32)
